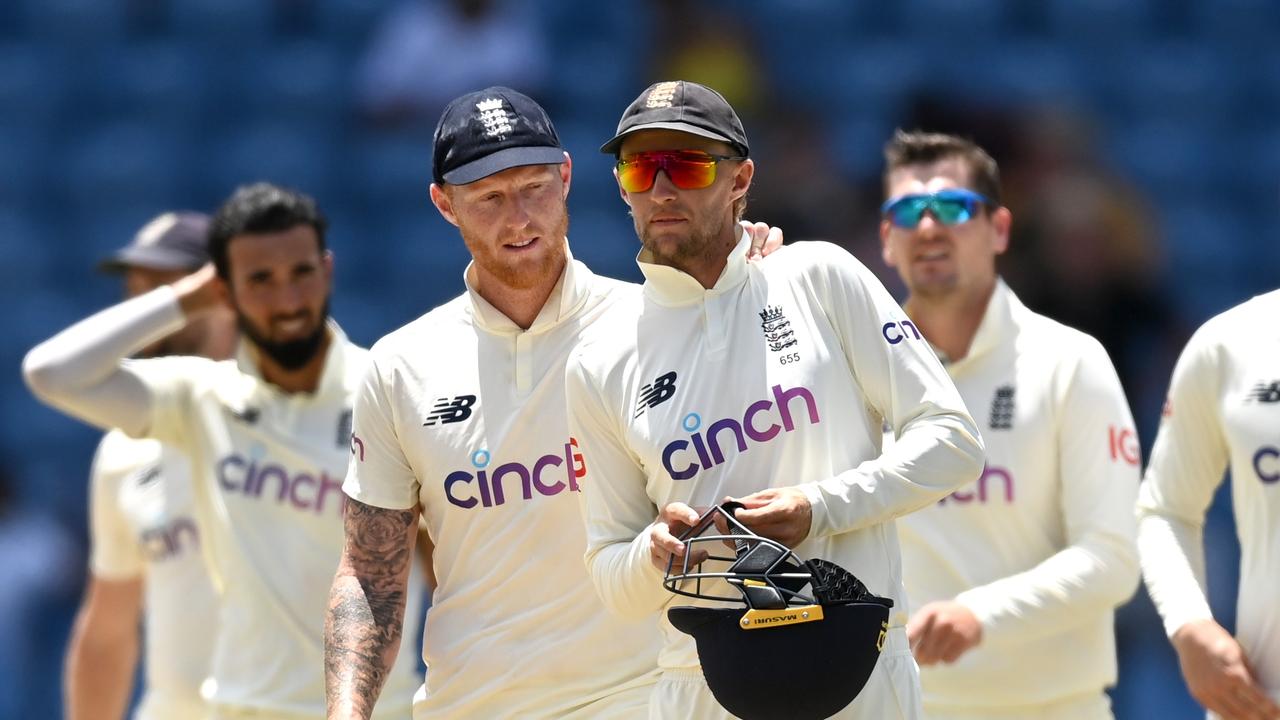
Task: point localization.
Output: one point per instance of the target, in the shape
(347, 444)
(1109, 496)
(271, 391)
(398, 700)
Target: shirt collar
(995, 326)
(332, 378)
(568, 295)
(669, 286)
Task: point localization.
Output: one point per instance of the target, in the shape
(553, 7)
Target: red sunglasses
(688, 169)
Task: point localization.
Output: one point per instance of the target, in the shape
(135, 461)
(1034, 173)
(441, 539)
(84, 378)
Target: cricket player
(765, 383)
(268, 434)
(145, 562)
(462, 416)
(1013, 579)
(1222, 411)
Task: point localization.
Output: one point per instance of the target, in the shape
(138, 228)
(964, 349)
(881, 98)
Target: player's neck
(305, 379)
(950, 322)
(708, 268)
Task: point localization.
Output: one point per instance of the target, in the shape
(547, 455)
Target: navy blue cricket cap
(486, 132)
(171, 241)
(685, 106)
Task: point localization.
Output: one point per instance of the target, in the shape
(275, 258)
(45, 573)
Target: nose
(663, 189)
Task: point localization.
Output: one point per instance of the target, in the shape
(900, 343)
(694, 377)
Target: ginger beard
(521, 270)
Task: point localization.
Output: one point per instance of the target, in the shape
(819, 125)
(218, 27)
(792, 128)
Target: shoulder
(118, 455)
(1244, 321)
(426, 331)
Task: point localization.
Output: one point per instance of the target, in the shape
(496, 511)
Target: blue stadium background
(111, 111)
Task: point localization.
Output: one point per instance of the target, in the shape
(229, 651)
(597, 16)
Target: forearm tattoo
(366, 607)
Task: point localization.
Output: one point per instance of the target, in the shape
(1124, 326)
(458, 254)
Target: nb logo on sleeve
(1265, 393)
(451, 410)
(656, 393)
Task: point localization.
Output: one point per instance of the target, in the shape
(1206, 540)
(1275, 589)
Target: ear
(326, 260)
(566, 174)
(886, 250)
(742, 178)
(1002, 221)
(441, 200)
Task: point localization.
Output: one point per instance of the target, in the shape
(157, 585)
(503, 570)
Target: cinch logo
(304, 491)
(489, 484)
(980, 492)
(169, 540)
(706, 446)
(896, 331)
(1266, 462)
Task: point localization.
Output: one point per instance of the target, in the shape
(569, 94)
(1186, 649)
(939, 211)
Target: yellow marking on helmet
(756, 619)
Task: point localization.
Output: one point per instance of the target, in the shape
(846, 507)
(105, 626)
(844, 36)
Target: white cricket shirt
(464, 412)
(780, 375)
(267, 469)
(273, 464)
(1223, 410)
(1042, 546)
(143, 525)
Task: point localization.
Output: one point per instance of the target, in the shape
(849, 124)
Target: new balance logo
(451, 410)
(656, 393)
(148, 476)
(1002, 408)
(1264, 393)
(247, 415)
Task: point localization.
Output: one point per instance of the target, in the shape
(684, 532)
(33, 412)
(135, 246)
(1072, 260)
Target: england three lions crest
(777, 328)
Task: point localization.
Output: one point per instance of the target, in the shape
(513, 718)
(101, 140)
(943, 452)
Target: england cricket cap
(684, 106)
(486, 132)
(172, 241)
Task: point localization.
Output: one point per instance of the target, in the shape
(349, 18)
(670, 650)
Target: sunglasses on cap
(949, 207)
(688, 169)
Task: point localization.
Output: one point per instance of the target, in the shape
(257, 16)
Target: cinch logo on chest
(1266, 462)
(489, 484)
(303, 490)
(706, 446)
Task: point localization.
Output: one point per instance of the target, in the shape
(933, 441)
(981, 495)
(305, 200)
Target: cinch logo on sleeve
(707, 451)
(1266, 462)
(169, 540)
(484, 487)
(982, 489)
(303, 491)
(895, 331)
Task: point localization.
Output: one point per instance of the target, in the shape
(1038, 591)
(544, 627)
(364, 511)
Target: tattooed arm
(366, 607)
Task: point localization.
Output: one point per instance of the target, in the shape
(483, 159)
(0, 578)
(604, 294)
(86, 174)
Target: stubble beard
(686, 253)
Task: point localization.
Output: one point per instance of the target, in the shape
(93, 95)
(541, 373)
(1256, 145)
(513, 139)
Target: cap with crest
(685, 106)
(485, 132)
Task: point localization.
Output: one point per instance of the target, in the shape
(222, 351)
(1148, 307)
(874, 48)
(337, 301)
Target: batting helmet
(812, 615)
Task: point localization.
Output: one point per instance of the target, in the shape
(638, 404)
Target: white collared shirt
(267, 468)
(463, 412)
(271, 494)
(1041, 546)
(779, 375)
(1222, 412)
(143, 525)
